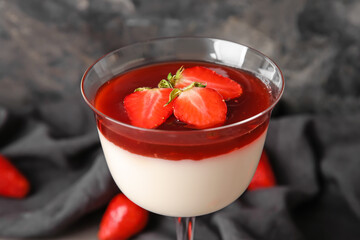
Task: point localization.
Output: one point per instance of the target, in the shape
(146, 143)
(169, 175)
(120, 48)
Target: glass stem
(185, 228)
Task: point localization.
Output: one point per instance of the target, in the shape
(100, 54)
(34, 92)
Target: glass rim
(154, 130)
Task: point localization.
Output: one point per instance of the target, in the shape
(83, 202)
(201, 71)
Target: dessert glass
(183, 188)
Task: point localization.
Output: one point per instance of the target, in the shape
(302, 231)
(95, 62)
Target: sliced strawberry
(146, 108)
(228, 88)
(122, 219)
(12, 183)
(264, 176)
(200, 107)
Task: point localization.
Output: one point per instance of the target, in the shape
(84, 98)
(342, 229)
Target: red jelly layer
(255, 99)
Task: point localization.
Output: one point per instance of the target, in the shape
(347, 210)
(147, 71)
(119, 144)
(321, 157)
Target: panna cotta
(186, 187)
(174, 170)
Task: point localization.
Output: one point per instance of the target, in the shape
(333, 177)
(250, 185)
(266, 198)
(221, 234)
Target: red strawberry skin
(264, 176)
(200, 108)
(147, 108)
(122, 219)
(12, 183)
(228, 88)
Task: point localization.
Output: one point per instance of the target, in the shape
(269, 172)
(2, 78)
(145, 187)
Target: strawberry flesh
(200, 108)
(147, 108)
(228, 88)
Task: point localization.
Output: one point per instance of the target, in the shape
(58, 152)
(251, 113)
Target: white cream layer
(183, 188)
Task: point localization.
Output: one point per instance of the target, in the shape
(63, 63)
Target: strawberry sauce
(109, 101)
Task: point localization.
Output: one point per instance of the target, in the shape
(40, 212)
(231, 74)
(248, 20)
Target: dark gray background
(314, 137)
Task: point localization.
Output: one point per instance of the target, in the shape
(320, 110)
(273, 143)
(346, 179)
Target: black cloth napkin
(313, 142)
(66, 169)
(315, 160)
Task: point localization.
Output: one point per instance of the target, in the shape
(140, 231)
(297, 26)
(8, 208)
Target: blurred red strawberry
(264, 176)
(122, 219)
(12, 183)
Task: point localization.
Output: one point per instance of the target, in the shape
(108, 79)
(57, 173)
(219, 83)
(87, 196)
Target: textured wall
(46, 45)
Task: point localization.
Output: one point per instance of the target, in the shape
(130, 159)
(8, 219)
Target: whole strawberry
(264, 176)
(12, 183)
(122, 219)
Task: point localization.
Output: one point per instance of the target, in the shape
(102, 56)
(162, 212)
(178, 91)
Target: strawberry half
(228, 88)
(200, 107)
(146, 107)
(12, 183)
